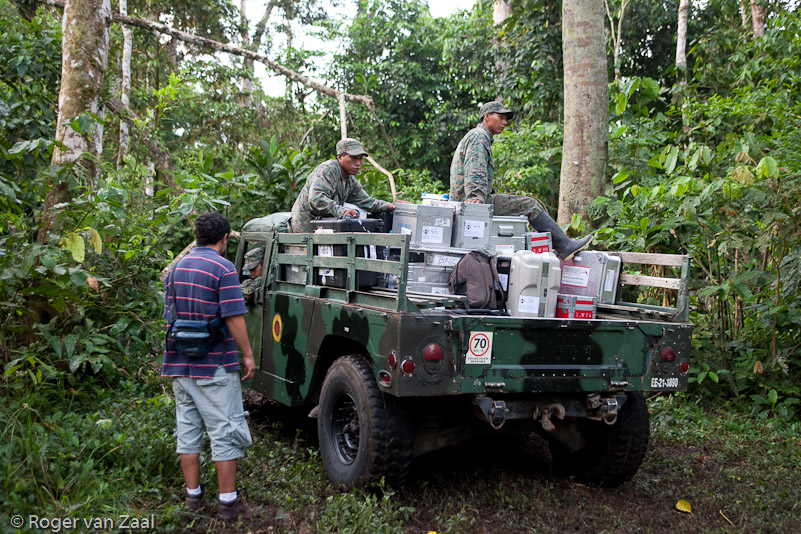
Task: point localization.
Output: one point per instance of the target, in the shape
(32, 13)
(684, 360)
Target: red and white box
(539, 242)
(576, 307)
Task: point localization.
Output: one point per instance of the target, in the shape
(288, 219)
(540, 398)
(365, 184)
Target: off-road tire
(363, 434)
(613, 453)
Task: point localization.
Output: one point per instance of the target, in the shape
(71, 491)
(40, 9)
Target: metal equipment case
(539, 242)
(592, 274)
(429, 226)
(337, 277)
(533, 284)
(472, 224)
(508, 234)
(576, 307)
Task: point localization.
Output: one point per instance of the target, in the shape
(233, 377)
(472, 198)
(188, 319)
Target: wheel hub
(345, 426)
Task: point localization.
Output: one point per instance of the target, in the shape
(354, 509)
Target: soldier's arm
(476, 177)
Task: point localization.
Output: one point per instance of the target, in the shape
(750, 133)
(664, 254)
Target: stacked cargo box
(588, 279)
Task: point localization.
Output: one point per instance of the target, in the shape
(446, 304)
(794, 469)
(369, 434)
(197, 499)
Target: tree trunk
(681, 59)
(681, 40)
(84, 52)
(584, 150)
(757, 19)
(744, 13)
(125, 90)
(501, 10)
(617, 35)
(252, 44)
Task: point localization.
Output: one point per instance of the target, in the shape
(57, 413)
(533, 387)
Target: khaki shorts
(213, 404)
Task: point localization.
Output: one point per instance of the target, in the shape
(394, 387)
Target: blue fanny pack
(192, 338)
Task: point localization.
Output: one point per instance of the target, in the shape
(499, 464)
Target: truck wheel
(613, 453)
(363, 435)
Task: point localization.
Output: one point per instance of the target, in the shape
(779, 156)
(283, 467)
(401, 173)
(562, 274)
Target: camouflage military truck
(391, 374)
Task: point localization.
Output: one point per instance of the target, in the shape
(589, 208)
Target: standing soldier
(332, 184)
(473, 171)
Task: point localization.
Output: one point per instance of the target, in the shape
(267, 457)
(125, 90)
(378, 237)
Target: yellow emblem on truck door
(278, 327)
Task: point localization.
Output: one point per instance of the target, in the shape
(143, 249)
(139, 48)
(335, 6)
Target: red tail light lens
(684, 367)
(407, 366)
(433, 353)
(668, 354)
(393, 360)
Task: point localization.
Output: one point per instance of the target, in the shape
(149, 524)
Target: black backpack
(476, 277)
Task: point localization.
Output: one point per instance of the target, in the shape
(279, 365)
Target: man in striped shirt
(208, 393)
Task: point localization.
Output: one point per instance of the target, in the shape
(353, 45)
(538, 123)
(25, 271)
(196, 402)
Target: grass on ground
(72, 454)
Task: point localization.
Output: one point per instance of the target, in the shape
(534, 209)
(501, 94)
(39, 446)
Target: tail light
(433, 353)
(668, 354)
(684, 367)
(407, 366)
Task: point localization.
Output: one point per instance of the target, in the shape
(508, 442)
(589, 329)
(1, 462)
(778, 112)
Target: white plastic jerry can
(533, 284)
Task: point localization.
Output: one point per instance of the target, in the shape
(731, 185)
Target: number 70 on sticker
(480, 348)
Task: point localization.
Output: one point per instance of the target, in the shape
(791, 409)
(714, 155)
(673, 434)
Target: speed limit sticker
(480, 350)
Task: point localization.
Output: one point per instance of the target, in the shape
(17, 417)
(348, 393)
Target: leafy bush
(729, 197)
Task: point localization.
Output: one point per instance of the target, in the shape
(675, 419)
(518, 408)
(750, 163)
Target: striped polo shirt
(206, 286)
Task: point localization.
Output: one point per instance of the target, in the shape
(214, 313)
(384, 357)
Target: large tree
(584, 150)
(84, 60)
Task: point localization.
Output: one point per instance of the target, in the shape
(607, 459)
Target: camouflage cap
(495, 107)
(351, 146)
(252, 260)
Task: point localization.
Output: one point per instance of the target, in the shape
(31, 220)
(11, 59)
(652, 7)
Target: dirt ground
(490, 486)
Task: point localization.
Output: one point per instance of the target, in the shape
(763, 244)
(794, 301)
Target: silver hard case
(508, 234)
(591, 274)
(472, 226)
(428, 226)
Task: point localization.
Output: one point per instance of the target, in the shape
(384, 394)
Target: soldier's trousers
(516, 205)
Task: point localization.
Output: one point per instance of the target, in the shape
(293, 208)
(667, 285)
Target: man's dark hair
(210, 228)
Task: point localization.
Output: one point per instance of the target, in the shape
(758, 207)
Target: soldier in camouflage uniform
(332, 184)
(252, 267)
(473, 171)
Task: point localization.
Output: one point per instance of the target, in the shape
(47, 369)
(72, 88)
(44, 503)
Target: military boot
(565, 247)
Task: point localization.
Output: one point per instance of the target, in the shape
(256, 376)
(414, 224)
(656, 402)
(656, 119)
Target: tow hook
(497, 414)
(549, 411)
(494, 411)
(609, 410)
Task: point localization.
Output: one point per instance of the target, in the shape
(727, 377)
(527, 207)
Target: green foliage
(282, 172)
(357, 512)
(721, 183)
(75, 452)
(529, 159)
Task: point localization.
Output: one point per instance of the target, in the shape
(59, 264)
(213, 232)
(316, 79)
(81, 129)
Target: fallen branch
(222, 47)
(389, 174)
